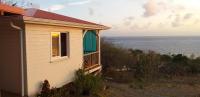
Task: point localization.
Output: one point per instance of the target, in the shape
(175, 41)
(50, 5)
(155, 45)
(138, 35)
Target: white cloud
(56, 7)
(188, 16)
(128, 20)
(177, 21)
(81, 2)
(68, 3)
(196, 21)
(151, 8)
(91, 11)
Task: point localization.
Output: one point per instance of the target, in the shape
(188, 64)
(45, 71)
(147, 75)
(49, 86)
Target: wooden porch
(91, 60)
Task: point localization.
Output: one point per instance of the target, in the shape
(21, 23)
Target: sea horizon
(107, 36)
(187, 45)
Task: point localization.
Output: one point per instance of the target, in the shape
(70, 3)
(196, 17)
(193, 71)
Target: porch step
(93, 68)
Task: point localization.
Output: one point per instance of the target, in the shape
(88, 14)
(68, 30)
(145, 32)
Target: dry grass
(177, 87)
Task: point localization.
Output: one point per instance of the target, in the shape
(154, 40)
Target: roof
(40, 14)
(44, 17)
(11, 9)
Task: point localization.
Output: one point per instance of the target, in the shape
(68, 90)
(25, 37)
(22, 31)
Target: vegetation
(124, 65)
(20, 3)
(45, 89)
(134, 67)
(87, 84)
(84, 85)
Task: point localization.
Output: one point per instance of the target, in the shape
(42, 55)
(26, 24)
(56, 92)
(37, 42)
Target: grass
(176, 87)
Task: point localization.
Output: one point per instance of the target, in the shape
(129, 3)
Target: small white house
(38, 45)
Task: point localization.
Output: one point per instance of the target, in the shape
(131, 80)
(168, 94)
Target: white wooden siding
(39, 65)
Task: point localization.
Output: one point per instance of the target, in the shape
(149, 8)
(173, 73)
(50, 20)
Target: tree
(20, 3)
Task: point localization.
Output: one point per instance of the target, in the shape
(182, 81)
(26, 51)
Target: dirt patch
(179, 87)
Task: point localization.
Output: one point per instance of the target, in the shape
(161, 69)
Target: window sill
(58, 59)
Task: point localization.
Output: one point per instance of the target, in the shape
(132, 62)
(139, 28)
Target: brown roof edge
(41, 14)
(33, 20)
(11, 9)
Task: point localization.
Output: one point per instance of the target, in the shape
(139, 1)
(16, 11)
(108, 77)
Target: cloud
(68, 3)
(56, 7)
(128, 20)
(150, 8)
(177, 21)
(116, 27)
(170, 16)
(91, 11)
(180, 19)
(140, 27)
(196, 21)
(187, 16)
(135, 27)
(161, 25)
(177, 8)
(147, 25)
(80, 2)
(153, 7)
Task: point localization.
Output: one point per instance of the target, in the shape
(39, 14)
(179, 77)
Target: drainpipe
(22, 54)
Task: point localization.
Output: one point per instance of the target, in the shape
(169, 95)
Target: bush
(145, 65)
(83, 85)
(120, 77)
(87, 84)
(113, 56)
(46, 91)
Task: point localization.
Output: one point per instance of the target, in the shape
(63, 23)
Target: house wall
(10, 60)
(38, 50)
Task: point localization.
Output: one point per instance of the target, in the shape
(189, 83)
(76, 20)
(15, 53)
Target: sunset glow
(134, 17)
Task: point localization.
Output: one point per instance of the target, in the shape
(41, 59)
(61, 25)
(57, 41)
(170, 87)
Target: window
(59, 44)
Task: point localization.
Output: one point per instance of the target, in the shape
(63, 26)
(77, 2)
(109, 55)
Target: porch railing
(91, 59)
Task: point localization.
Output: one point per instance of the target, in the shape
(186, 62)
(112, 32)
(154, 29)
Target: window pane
(55, 44)
(63, 44)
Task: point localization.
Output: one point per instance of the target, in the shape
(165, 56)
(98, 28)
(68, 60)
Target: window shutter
(90, 42)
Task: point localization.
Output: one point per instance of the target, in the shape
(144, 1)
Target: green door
(90, 42)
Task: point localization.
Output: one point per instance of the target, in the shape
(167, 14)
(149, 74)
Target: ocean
(164, 45)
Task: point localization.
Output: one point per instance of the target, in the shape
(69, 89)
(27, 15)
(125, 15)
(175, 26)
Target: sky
(133, 17)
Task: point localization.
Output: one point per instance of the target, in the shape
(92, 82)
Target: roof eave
(33, 20)
(11, 9)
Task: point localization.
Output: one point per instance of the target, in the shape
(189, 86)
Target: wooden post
(91, 58)
(84, 32)
(99, 47)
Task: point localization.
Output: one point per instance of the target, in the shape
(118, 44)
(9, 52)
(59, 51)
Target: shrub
(87, 84)
(83, 85)
(145, 65)
(120, 77)
(46, 91)
(113, 56)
